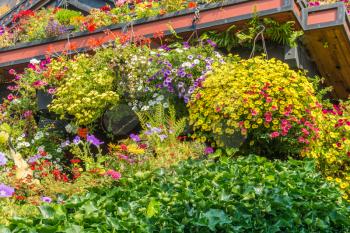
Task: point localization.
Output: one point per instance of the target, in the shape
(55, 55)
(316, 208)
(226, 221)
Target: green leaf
(152, 208)
(47, 211)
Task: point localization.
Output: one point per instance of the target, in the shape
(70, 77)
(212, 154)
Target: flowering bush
(266, 102)
(85, 86)
(332, 149)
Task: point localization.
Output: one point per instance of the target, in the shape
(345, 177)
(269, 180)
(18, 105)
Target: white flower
(20, 138)
(26, 144)
(186, 64)
(69, 128)
(145, 108)
(34, 61)
(49, 156)
(196, 61)
(59, 150)
(166, 105)
(160, 98)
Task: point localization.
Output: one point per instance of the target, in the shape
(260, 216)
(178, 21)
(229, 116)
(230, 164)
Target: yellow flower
(329, 178)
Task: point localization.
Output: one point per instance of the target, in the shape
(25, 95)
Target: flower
(91, 27)
(73, 161)
(192, 5)
(209, 150)
(114, 174)
(274, 134)
(46, 199)
(34, 61)
(3, 159)
(6, 191)
(76, 140)
(93, 140)
(34, 158)
(135, 137)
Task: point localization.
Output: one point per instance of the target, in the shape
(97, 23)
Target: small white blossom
(34, 61)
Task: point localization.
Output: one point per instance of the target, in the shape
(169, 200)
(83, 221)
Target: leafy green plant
(64, 16)
(232, 37)
(249, 194)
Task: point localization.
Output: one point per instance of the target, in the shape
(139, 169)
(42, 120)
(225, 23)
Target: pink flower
(274, 134)
(39, 83)
(305, 132)
(268, 100)
(123, 157)
(12, 72)
(301, 140)
(27, 113)
(284, 122)
(268, 117)
(254, 113)
(10, 97)
(51, 91)
(114, 174)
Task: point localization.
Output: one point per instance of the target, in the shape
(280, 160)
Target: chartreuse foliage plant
(270, 105)
(250, 194)
(85, 86)
(332, 149)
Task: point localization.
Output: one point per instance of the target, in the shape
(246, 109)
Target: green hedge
(248, 194)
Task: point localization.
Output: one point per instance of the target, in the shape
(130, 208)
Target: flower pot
(120, 120)
(43, 100)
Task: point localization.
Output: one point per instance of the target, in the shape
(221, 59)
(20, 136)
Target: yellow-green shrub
(86, 86)
(332, 149)
(269, 104)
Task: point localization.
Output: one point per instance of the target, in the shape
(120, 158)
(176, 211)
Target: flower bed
(62, 163)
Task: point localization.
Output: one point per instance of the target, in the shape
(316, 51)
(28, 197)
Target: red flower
(73, 161)
(123, 147)
(91, 27)
(105, 8)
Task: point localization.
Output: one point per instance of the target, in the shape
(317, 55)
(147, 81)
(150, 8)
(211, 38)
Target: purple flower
(165, 47)
(3, 159)
(34, 158)
(76, 140)
(162, 137)
(93, 140)
(6, 191)
(186, 45)
(46, 199)
(135, 137)
(212, 43)
(208, 150)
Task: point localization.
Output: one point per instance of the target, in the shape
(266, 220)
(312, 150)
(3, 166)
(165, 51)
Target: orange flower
(192, 5)
(82, 132)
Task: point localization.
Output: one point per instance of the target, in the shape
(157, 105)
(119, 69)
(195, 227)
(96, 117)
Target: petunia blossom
(6, 191)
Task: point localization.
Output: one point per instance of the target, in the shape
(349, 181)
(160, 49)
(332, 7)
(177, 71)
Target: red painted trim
(324, 16)
(147, 28)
